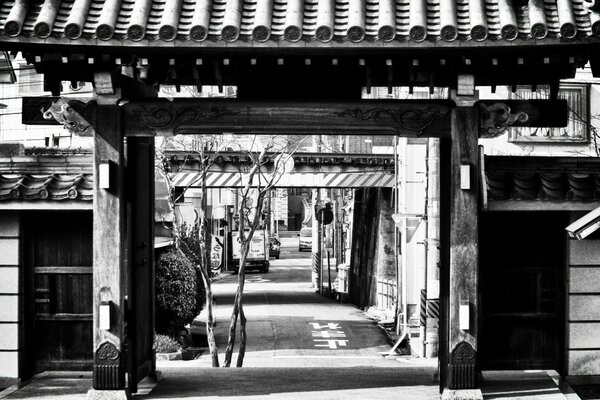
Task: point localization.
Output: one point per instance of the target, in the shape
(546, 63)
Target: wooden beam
(200, 116)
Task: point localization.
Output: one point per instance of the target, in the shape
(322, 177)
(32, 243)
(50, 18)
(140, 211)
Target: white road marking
(332, 344)
(329, 334)
(330, 325)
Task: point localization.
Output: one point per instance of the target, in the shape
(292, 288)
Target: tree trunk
(205, 247)
(232, 328)
(236, 303)
(210, 334)
(242, 353)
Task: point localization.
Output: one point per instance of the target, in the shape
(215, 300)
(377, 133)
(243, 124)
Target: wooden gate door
(522, 288)
(59, 291)
(140, 316)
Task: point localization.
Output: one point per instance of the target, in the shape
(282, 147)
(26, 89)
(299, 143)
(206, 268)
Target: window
(577, 129)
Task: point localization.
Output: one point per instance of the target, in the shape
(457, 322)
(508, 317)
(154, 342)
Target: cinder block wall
(11, 318)
(583, 312)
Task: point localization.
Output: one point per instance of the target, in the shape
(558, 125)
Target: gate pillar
(463, 257)
(110, 243)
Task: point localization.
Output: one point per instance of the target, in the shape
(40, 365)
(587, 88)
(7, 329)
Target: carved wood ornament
(160, 119)
(496, 118)
(462, 367)
(406, 119)
(67, 113)
(108, 367)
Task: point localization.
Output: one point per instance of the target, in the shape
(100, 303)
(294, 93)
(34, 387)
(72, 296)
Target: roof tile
(46, 187)
(368, 21)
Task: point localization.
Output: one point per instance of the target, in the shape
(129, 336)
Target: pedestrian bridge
(313, 170)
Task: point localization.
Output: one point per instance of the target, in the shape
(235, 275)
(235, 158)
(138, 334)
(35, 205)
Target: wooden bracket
(74, 115)
(103, 83)
(496, 118)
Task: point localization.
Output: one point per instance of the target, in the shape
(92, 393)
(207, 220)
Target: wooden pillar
(110, 243)
(463, 249)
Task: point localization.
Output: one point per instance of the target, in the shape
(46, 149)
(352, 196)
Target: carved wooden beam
(209, 116)
(496, 116)
(200, 116)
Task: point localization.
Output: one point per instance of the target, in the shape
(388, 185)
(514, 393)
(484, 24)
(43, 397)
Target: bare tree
(196, 244)
(259, 183)
(264, 170)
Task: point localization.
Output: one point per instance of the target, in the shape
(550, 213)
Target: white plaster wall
(9, 337)
(9, 251)
(10, 270)
(583, 337)
(9, 364)
(9, 280)
(9, 308)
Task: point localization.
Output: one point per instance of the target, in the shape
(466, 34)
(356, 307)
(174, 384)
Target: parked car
(274, 247)
(305, 239)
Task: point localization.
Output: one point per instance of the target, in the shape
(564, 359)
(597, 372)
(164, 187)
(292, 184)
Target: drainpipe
(403, 258)
(423, 327)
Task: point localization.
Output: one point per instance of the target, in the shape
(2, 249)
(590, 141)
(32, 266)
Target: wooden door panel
(65, 344)
(61, 295)
(522, 290)
(140, 321)
(522, 343)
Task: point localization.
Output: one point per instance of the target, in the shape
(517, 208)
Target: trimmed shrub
(165, 344)
(179, 292)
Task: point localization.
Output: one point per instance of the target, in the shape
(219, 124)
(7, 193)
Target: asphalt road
(288, 320)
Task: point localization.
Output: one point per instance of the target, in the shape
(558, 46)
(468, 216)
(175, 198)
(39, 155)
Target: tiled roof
(539, 178)
(46, 187)
(250, 22)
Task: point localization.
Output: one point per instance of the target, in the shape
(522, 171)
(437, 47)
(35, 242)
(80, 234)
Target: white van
(258, 253)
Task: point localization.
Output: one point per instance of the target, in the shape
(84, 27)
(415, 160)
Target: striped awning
(358, 179)
(295, 23)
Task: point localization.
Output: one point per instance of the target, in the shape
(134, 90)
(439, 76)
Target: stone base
(463, 394)
(94, 394)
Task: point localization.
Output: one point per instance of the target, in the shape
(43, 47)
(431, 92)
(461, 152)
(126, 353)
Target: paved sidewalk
(526, 385)
(412, 379)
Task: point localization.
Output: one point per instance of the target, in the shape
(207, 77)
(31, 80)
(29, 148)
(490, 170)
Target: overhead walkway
(314, 170)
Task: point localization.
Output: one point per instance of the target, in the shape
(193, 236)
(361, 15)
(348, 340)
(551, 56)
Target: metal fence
(387, 290)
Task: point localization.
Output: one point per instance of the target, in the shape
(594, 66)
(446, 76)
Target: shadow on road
(190, 383)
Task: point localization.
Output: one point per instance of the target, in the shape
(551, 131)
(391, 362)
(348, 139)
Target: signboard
(216, 252)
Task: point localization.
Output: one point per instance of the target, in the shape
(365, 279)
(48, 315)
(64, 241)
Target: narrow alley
(300, 344)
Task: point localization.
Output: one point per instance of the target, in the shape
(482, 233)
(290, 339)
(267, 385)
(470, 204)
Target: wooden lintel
(202, 116)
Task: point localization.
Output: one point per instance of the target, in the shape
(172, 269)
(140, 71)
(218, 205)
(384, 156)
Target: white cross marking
(332, 344)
